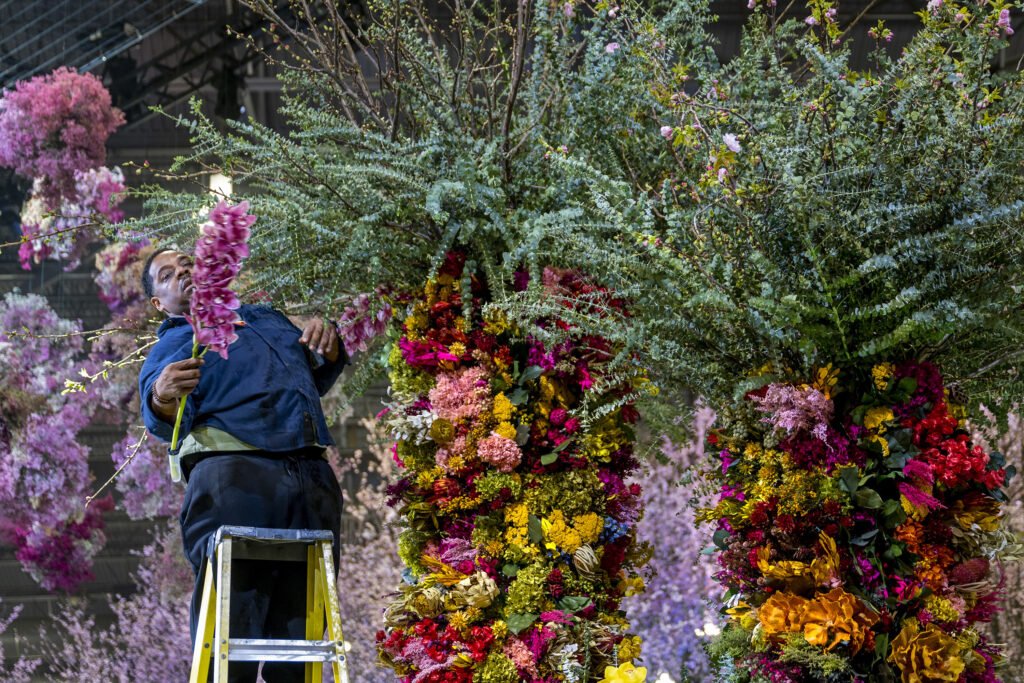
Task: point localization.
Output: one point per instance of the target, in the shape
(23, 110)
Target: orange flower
(926, 655)
(837, 617)
(782, 613)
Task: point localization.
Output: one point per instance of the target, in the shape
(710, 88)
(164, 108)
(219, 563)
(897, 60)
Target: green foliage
(797, 212)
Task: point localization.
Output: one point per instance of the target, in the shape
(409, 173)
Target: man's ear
(157, 305)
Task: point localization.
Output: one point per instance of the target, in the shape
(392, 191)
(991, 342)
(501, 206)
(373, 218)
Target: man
(252, 441)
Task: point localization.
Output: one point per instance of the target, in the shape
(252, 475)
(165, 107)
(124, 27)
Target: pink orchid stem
(173, 457)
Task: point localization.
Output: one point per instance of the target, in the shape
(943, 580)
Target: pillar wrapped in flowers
(520, 524)
(859, 532)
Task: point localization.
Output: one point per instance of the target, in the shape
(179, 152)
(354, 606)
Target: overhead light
(220, 185)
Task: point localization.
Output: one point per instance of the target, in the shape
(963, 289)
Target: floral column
(520, 524)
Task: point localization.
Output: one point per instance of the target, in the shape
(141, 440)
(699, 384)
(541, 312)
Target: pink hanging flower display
(54, 125)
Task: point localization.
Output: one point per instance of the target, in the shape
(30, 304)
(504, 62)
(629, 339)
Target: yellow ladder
(213, 640)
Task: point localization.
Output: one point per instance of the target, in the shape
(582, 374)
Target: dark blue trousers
(274, 490)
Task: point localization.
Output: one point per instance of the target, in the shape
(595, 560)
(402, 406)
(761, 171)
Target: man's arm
(162, 383)
(321, 336)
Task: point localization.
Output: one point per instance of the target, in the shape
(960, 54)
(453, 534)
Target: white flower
(731, 142)
(611, 48)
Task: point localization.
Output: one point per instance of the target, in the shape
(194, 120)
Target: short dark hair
(147, 279)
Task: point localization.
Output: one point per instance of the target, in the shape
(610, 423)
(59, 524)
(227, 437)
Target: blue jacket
(266, 394)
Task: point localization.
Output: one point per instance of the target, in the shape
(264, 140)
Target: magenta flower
(218, 259)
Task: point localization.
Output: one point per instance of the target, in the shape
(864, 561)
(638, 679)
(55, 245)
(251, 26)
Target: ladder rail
(215, 649)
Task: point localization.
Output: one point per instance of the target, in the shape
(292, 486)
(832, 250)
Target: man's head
(167, 281)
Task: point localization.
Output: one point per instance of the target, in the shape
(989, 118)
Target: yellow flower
(495, 321)
(826, 567)
(926, 655)
(875, 418)
(629, 648)
(942, 609)
(624, 673)
(499, 628)
(589, 527)
(630, 587)
(546, 526)
(505, 429)
(782, 613)
(837, 617)
(457, 349)
(503, 408)
(442, 431)
(783, 569)
(980, 511)
(881, 374)
(825, 380)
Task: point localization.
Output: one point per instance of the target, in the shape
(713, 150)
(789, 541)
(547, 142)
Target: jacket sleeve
(166, 351)
(327, 373)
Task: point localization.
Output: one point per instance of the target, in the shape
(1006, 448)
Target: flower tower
(520, 523)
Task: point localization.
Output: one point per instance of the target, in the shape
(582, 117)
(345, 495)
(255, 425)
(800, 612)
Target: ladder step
(256, 649)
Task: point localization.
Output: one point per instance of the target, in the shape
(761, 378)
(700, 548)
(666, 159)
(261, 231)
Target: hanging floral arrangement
(55, 125)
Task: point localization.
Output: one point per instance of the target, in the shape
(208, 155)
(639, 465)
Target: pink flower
(54, 125)
(934, 5)
(794, 409)
(218, 259)
(503, 453)
(568, 10)
(723, 173)
(611, 48)
(811, 21)
(731, 142)
(461, 395)
(1004, 22)
(667, 132)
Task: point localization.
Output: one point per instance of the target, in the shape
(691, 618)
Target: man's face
(172, 282)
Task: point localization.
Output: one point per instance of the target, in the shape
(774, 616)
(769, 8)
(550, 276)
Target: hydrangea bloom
(54, 125)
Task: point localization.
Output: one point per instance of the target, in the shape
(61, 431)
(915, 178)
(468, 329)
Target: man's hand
(176, 381)
(321, 337)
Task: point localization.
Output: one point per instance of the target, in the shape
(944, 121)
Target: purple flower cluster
(218, 259)
(63, 233)
(54, 125)
(671, 614)
(364, 319)
(143, 483)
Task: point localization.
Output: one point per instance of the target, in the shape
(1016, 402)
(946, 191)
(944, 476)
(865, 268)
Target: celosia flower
(782, 613)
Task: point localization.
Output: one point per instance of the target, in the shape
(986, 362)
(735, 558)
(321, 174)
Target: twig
(131, 457)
